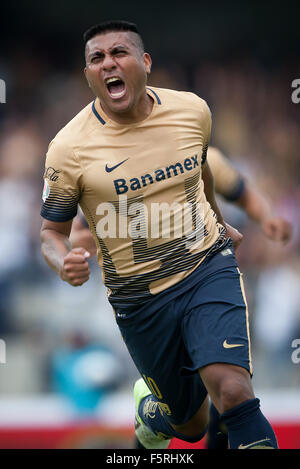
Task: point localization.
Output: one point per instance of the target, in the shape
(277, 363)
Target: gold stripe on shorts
(247, 319)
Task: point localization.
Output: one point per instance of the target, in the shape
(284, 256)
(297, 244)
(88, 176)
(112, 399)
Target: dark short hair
(109, 26)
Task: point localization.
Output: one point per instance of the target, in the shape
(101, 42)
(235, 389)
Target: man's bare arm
(70, 264)
(55, 242)
(258, 209)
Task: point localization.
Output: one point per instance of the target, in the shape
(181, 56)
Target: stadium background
(67, 379)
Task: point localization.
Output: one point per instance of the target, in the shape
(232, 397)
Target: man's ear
(147, 62)
(85, 74)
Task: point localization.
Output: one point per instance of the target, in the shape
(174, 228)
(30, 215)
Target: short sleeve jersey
(228, 181)
(140, 189)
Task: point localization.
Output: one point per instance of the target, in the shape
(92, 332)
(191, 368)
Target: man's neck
(138, 113)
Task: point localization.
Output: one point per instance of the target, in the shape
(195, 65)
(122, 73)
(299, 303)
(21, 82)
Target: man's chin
(117, 106)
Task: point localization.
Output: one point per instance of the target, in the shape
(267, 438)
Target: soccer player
(174, 285)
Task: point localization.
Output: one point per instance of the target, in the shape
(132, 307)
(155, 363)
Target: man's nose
(108, 63)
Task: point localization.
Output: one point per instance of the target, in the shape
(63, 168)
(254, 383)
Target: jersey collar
(150, 91)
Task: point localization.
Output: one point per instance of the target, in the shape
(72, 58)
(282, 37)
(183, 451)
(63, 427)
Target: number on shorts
(153, 386)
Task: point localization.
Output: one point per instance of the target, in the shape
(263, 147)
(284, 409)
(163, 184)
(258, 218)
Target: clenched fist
(75, 269)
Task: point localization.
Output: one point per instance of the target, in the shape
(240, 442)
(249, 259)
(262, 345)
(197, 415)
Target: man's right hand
(277, 229)
(75, 269)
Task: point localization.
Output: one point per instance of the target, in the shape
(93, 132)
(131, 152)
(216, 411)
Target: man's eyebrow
(119, 46)
(112, 49)
(94, 53)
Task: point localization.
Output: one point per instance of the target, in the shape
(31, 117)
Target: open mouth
(115, 87)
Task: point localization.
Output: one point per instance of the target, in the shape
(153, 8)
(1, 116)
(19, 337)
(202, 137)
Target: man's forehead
(109, 40)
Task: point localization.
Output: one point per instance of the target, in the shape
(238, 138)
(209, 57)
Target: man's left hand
(234, 234)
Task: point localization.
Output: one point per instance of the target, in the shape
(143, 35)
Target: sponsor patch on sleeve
(46, 190)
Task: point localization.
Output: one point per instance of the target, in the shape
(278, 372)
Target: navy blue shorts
(170, 337)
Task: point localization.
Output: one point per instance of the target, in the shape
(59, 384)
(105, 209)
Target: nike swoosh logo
(225, 345)
(110, 169)
(256, 445)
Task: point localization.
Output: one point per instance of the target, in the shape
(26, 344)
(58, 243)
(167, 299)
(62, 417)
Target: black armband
(237, 192)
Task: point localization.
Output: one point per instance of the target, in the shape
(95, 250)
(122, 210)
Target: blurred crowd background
(63, 340)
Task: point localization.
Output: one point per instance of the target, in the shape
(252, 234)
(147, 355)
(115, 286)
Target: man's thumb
(82, 251)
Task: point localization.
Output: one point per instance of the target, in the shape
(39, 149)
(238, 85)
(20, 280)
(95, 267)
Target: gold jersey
(227, 180)
(135, 184)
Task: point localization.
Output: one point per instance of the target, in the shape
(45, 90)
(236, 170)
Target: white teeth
(110, 80)
(117, 95)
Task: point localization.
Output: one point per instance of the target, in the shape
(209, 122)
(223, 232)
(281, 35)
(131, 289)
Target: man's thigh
(216, 326)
